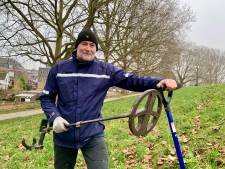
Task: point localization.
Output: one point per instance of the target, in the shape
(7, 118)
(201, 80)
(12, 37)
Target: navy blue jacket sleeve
(48, 96)
(120, 78)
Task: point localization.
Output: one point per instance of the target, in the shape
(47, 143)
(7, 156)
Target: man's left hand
(168, 84)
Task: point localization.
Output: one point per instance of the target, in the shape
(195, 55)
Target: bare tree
(136, 35)
(157, 36)
(43, 30)
(200, 65)
(184, 64)
(113, 25)
(214, 66)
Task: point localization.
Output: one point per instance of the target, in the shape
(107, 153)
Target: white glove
(59, 125)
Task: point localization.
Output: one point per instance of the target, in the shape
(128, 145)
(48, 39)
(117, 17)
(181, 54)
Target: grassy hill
(199, 116)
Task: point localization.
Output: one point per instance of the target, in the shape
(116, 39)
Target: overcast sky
(209, 26)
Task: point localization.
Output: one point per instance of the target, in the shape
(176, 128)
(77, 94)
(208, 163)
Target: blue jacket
(81, 89)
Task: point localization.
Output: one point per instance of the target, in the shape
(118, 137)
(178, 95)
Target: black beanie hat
(86, 35)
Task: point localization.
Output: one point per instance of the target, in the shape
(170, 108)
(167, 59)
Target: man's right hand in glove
(59, 125)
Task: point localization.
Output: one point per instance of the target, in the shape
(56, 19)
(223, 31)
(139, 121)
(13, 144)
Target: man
(81, 84)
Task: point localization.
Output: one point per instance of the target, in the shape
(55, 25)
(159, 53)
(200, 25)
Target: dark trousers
(94, 152)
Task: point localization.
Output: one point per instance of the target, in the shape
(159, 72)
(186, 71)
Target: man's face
(86, 51)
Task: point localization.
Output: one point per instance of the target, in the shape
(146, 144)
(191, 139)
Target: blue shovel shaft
(175, 139)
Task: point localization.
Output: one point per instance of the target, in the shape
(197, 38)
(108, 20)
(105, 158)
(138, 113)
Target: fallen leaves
(130, 155)
(150, 146)
(220, 161)
(173, 151)
(197, 122)
(166, 159)
(161, 160)
(132, 159)
(21, 147)
(147, 159)
(6, 158)
(184, 139)
(184, 150)
(171, 158)
(200, 151)
(220, 149)
(216, 128)
(163, 143)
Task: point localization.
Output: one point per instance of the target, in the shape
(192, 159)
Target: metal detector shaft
(172, 128)
(79, 123)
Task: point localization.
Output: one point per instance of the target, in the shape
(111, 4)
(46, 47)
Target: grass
(199, 116)
(16, 107)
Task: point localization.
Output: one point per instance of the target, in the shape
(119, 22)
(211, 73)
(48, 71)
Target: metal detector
(142, 119)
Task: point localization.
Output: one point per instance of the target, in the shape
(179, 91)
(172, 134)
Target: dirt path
(39, 111)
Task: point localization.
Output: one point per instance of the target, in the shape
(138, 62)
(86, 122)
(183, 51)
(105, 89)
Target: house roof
(25, 95)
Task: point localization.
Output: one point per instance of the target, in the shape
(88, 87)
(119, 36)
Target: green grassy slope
(199, 116)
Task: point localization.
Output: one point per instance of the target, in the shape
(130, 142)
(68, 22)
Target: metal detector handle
(166, 103)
